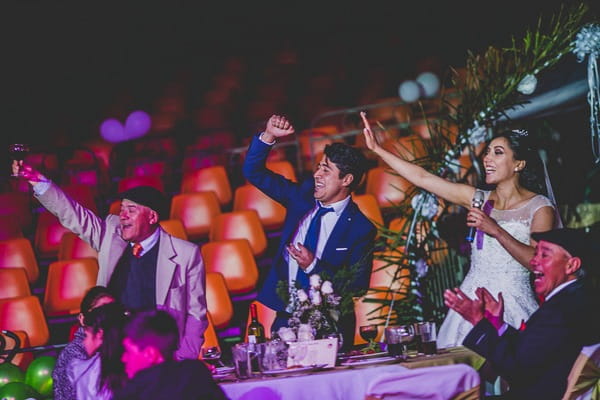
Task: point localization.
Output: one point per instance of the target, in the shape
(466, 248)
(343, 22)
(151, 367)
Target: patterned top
(63, 387)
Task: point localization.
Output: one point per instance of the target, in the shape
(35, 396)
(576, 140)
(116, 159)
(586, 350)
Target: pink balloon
(137, 124)
(112, 131)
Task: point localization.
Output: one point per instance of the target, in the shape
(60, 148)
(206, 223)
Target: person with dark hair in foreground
(323, 230)
(99, 376)
(63, 389)
(149, 344)
(536, 359)
(143, 265)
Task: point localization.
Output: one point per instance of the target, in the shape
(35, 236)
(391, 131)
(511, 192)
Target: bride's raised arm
(457, 193)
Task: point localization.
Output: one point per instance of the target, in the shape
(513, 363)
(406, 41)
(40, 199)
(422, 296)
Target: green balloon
(39, 374)
(10, 373)
(18, 391)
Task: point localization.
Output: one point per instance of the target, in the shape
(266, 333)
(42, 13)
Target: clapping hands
(474, 310)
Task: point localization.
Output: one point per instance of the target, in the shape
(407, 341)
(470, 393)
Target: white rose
(302, 296)
(315, 297)
(527, 84)
(327, 287)
(315, 281)
(286, 334)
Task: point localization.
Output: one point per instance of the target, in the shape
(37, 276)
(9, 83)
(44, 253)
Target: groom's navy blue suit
(351, 240)
(537, 360)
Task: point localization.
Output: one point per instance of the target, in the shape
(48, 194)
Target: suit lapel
(341, 228)
(165, 267)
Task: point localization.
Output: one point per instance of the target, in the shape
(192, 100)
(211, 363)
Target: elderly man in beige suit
(142, 264)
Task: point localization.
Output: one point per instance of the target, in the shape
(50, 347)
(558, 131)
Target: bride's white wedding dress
(494, 268)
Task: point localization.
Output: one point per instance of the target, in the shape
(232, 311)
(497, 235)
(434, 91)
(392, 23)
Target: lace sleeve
(538, 202)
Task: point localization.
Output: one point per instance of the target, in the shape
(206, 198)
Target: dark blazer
(537, 360)
(181, 380)
(351, 240)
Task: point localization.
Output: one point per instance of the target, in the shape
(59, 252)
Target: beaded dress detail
(494, 268)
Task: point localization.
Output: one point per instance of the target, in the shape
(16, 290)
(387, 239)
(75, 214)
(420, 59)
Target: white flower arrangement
(320, 307)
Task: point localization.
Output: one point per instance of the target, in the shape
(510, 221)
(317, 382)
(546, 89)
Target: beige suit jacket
(180, 274)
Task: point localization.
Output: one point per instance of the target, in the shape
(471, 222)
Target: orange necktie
(137, 250)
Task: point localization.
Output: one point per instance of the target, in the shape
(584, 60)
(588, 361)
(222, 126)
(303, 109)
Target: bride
(500, 255)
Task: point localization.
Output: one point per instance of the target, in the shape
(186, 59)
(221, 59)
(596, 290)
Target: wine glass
(212, 354)
(368, 333)
(18, 151)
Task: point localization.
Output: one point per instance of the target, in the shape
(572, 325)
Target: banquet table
(341, 382)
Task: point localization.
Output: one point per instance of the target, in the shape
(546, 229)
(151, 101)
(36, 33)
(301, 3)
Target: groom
(536, 359)
(324, 230)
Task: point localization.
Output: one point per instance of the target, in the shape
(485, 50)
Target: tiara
(520, 132)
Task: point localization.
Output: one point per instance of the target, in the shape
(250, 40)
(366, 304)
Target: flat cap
(576, 241)
(147, 196)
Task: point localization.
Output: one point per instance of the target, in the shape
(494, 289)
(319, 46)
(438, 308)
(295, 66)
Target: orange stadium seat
(367, 204)
(174, 227)
(67, 283)
(13, 283)
(72, 246)
(271, 213)
(240, 225)
(282, 167)
(25, 314)
(388, 189)
(18, 253)
(218, 301)
(196, 211)
(205, 179)
(234, 260)
(48, 234)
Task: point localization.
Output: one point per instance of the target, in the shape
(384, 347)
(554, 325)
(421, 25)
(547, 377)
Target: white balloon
(429, 82)
(409, 91)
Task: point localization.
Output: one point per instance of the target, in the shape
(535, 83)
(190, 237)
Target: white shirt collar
(149, 242)
(338, 206)
(559, 288)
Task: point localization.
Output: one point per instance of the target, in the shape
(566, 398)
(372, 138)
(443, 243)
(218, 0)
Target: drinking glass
(241, 360)
(18, 151)
(397, 339)
(368, 333)
(428, 337)
(272, 355)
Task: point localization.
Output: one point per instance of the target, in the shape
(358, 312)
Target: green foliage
(487, 90)
(490, 85)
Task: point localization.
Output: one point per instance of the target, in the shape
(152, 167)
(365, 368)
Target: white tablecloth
(344, 384)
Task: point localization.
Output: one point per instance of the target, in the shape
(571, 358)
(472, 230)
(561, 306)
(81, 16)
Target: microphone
(477, 202)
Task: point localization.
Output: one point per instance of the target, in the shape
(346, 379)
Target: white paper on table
(318, 352)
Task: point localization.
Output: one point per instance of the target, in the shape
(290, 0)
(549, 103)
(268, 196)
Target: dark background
(66, 63)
